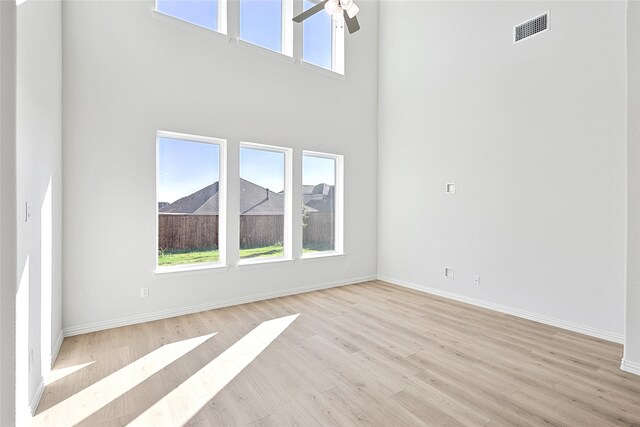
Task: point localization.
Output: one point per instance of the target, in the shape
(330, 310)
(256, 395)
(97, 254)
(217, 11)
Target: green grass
(186, 257)
(178, 257)
(266, 251)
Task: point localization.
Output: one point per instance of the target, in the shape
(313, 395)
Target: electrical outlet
(30, 358)
(144, 292)
(348, 264)
(476, 280)
(448, 273)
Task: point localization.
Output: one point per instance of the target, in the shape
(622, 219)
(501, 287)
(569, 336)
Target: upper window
(209, 14)
(261, 23)
(265, 197)
(267, 23)
(323, 40)
(321, 209)
(190, 200)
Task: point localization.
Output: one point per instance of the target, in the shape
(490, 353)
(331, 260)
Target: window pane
(261, 23)
(199, 12)
(188, 178)
(262, 187)
(316, 42)
(318, 198)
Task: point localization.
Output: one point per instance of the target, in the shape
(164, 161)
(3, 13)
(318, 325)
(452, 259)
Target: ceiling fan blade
(310, 12)
(352, 23)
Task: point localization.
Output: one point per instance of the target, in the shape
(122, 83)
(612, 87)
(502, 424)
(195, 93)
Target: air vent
(530, 28)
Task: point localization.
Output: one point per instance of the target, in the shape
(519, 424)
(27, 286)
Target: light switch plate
(27, 212)
(451, 188)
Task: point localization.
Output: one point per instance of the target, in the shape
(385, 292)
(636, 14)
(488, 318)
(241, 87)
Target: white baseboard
(586, 330)
(35, 400)
(56, 348)
(629, 366)
(126, 321)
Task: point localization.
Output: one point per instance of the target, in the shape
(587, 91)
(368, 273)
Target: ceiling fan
(346, 8)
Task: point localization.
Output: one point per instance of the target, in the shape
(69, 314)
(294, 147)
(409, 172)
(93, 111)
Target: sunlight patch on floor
(182, 403)
(58, 374)
(91, 399)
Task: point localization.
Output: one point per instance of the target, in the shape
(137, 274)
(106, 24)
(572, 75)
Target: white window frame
(287, 27)
(222, 201)
(222, 17)
(338, 205)
(288, 199)
(337, 44)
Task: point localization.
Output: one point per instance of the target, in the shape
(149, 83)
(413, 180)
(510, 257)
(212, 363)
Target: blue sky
(316, 38)
(318, 170)
(185, 167)
(260, 23)
(265, 168)
(201, 12)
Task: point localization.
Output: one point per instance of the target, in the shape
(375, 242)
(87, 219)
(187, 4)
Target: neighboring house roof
(324, 189)
(204, 201)
(319, 197)
(254, 200)
(322, 205)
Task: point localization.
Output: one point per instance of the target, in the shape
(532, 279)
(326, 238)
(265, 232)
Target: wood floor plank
(370, 354)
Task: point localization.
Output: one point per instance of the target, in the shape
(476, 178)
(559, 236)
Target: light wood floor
(371, 354)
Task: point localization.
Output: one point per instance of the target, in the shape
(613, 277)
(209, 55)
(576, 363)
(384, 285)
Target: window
(267, 23)
(322, 204)
(191, 200)
(323, 40)
(265, 200)
(211, 14)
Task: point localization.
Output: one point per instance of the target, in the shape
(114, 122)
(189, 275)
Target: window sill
(322, 256)
(322, 70)
(265, 51)
(165, 272)
(179, 21)
(264, 262)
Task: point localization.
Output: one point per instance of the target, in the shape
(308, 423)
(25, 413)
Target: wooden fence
(184, 231)
(261, 230)
(178, 231)
(319, 231)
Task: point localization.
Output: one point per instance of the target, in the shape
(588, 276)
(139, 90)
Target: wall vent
(530, 28)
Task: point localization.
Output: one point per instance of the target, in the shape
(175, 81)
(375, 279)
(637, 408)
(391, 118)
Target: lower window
(264, 202)
(190, 200)
(321, 209)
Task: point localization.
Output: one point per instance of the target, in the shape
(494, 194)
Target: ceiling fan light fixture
(338, 9)
(332, 7)
(353, 10)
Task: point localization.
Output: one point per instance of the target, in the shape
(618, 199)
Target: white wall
(533, 135)
(8, 235)
(39, 126)
(631, 360)
(129, 73)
